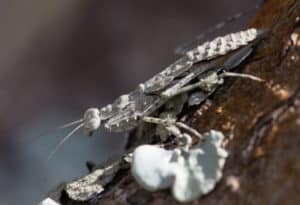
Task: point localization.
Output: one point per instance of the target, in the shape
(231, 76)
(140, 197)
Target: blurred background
(58, 58)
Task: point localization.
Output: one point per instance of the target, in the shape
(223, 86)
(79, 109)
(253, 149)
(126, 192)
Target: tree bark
(261, 122)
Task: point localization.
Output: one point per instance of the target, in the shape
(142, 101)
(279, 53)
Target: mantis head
(91, 121)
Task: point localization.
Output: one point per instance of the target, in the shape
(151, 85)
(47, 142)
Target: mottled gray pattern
(126, 112)
(222, 45)
(93, 184)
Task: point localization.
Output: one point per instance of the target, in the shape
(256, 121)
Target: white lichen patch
(49, 201)
(190, 174)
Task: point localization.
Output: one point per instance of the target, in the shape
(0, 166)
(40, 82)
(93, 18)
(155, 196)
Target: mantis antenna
(37, 137)
(64, 140)
(91, 122)
(70, 124)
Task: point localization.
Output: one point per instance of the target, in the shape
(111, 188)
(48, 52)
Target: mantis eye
(91, 120)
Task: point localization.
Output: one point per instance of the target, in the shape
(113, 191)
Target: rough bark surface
(261, 122)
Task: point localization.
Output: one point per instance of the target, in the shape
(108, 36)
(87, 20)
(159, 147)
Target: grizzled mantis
(200, 68)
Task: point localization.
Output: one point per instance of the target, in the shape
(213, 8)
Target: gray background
(58, 58)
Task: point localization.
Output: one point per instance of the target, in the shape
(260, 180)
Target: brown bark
(261, 120)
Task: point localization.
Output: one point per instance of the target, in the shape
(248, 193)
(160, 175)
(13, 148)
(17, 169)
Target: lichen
(189, 173)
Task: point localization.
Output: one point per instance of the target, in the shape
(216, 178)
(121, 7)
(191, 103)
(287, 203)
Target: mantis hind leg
(235, 60)
(210, 81)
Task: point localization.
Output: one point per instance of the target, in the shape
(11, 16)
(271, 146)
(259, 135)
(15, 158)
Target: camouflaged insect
(128, 110)
(199, 69)
(190, 72)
